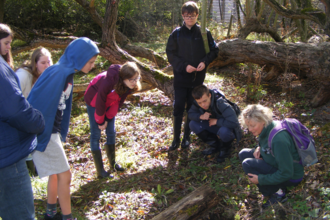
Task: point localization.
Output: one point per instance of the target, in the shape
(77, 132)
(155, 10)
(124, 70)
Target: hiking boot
(274, 199)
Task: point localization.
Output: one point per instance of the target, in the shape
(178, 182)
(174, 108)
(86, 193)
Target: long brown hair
(127, 71)
(5, 31)
(31, 66)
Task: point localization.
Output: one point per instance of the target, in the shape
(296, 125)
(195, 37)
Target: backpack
(218, 94)
(304, 142)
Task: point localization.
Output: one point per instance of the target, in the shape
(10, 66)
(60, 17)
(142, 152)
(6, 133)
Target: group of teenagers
(35, 108)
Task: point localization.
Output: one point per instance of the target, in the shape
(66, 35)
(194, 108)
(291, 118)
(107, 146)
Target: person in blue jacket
(213, 119)
(52, 95)
(19, 124)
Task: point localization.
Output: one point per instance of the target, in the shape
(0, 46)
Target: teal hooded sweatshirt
(46, 92)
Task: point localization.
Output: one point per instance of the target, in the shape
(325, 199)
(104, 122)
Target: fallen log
(306, 60)
(81, 88)
(192, 206)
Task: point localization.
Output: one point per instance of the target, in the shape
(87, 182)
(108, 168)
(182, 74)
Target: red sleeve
(105, 88)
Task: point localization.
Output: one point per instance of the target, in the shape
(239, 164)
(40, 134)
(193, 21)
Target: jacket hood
(78, 53)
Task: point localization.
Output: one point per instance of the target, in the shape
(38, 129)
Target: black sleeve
(179, 64)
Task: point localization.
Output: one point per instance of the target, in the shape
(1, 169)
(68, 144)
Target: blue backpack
(304, 142)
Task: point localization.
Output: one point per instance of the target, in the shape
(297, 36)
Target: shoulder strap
(273, 132)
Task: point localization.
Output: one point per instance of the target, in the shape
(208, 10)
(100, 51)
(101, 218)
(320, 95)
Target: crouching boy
(214, 121)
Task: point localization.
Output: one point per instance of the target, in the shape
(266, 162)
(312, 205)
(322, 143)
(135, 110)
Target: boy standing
(186, 53)
(212, 117)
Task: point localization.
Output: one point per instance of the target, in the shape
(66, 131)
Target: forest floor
(155, 179)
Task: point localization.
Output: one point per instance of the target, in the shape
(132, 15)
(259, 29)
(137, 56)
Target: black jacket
(186, 47)
(221, 110)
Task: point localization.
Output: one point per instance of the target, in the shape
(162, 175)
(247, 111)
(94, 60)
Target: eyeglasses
(134, 80)
(189, 17)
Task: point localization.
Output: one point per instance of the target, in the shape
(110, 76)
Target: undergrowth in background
(155, 179)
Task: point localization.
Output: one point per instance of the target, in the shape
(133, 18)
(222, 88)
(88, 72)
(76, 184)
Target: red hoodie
(100, 94)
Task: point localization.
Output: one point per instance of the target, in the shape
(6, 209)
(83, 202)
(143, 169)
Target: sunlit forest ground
(155, 179)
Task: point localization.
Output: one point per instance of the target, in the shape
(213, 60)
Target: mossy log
(303, 59)
(192, 206)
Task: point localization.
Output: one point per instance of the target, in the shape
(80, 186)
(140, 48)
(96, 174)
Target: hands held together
(206, 116)
(191, 69)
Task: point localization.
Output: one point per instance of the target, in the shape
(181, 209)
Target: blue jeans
(16, 196)
(96, 132)
(257, 166)
(224, 133)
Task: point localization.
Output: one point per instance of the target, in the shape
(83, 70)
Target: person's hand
(104, 126)
(205, 116)
(256, 153)
(253, 178)
(190, 69)
(200, 66)
(212, 121)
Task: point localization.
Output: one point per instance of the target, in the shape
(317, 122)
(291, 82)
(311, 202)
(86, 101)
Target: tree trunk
(192, 206)
(121, 39)
(307, 60)
(2, 10)
(253, 25)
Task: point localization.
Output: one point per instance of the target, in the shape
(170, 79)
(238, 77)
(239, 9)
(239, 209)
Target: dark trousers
(181, 97)
(224, 133)
(259, 166)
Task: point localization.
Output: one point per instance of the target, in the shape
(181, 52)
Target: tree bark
(121, 39)
(192, 206)
(34, 39)
(2, 10)
(309, 61)
(253, 25)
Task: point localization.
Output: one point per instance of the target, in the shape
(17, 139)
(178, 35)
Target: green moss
(191, 210)
(18, 43)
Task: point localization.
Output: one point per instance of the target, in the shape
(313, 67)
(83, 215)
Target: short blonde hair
(258, 113)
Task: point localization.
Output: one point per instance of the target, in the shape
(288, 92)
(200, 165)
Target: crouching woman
(272, 174)
(104, 96)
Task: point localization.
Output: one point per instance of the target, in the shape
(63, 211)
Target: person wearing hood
(52, 95)
(186, 53)
(214, 120)
(19, 124)
(104, 96)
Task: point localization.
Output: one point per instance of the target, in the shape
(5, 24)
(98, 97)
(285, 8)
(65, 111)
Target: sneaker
(57, 216)
(274, 199)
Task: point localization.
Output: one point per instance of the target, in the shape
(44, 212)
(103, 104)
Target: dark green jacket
(285, 153)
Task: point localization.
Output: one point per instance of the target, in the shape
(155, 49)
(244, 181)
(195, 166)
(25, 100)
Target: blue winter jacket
(46, 92)
(221, 110)
(19, 122)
